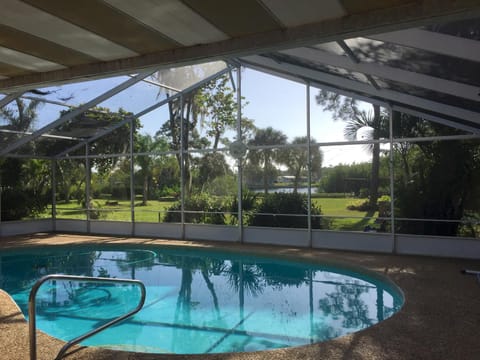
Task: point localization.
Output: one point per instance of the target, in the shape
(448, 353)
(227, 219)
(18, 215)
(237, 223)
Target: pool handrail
(68, 345)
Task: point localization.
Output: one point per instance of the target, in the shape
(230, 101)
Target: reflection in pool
(197, 301)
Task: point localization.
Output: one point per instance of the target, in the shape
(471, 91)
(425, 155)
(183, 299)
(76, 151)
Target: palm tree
(147, 144)
(296, 159)
(266, 158)
(368, 126)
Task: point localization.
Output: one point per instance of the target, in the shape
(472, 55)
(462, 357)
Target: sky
(269, 101)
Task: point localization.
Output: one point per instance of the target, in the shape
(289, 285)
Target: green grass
(120, 212)
(334, 209)
(343, 219)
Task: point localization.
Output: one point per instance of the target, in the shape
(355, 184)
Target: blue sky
(271, 101)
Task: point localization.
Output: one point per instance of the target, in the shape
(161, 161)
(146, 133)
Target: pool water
(197, 302)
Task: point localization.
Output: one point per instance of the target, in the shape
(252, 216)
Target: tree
(147, 144)
(25, 184)
(435, 180)
(218, 108)
(73, 172)
(347, 109)
(296, 159)
(267, 157)
(211, 166)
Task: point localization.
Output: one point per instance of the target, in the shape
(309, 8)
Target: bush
(21, 203)
(249, 201)
(383, 204)
(204, 210)
(359, 205)
(287, 210)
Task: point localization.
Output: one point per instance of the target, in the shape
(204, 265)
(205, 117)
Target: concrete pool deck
(439, 320)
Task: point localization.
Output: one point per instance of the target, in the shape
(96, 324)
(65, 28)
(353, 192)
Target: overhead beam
(9, 98)
(365, 90)
(398, 16)
(144, 112)
(71, 114)
(388, 73)
(438, 43)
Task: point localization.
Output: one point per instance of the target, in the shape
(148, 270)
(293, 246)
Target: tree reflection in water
(345, 304)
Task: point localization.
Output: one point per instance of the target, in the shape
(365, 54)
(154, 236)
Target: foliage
(219, 108)
(286, 211)
(25, 184)
(249, 201)
(225, 185)
(432, 191)
(376, 124)
(211, 166)
(266, 158)
(359, 205)
(353, 179)
(199, 209)
(296, 159)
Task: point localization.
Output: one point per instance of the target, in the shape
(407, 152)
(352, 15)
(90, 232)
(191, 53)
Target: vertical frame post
(309, 167)
(54, 193)
(87, 185)
(132, 179)
(392, 189)
(240, 160)
(182, 169)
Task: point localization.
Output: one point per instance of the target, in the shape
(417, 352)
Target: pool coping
(439, 319)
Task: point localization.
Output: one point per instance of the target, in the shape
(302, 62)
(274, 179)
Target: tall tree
(296, 159)
(347, 109)
(218, 108)
(25, 183)
(147, 144)
(267, 157)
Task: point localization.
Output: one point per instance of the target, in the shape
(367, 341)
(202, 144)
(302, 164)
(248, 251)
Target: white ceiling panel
(299, 12)
(26, 61)
(173, 19)
(26, 18)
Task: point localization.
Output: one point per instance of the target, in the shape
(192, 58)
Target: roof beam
(9, 98)
(70, 115)
(400, 15)
(144, 112)
(435, 42)
(365, 90)
(386, 72)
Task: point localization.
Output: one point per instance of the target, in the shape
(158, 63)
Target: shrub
(287, 210)
(249, 201)
(21, 203)
(383, 204)
(359, 205)
(203, 209)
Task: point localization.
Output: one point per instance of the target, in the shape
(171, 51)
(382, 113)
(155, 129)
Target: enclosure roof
(430, 71)
(46, 42)
(419, 57)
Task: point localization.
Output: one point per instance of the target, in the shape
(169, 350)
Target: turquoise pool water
(197, 301)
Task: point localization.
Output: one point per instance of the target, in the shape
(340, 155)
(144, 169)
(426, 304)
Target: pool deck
(439, 320)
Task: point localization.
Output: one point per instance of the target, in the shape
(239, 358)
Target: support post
(240, 160)
(132, 180)
(309, 168)
(392, 190)
(87, 186)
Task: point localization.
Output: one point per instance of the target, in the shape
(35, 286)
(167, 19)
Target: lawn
(334, 209)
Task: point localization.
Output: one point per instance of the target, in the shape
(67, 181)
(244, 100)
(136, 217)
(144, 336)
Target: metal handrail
(32, 314)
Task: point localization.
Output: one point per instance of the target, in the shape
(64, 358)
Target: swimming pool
(197, 301)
